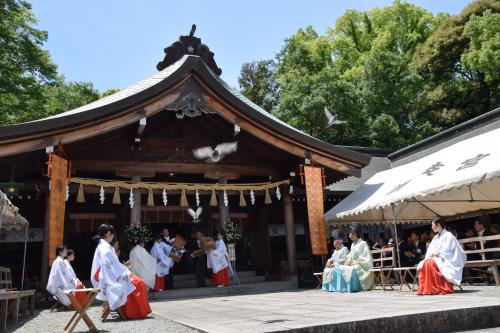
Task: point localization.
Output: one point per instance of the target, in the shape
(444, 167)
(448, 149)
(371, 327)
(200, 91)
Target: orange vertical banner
(315, 209)
(58, 173)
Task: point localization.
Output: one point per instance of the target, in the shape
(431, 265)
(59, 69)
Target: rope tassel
(243, 202)
(184, 201)
(116, 197)
(80, 196)
(213, 199)
(268, 200)
(151, 201)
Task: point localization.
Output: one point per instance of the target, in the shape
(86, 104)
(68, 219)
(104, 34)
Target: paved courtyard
(299, 309)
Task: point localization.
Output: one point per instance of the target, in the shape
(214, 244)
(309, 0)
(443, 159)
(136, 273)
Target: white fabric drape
(160, 253)
(143, 265)
(218, 259)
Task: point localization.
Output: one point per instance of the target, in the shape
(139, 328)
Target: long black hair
(60, 248)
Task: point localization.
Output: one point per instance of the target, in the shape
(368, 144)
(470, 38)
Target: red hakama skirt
(432, 282)
(159, 283)
(137, 305)
(221, 277)
(81, 296)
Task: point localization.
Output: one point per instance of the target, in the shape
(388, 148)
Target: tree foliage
(258, 83)
(30, 87)
(397, 74)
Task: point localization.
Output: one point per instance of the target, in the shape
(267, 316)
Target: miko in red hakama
(220, 278)
(432, 282)
(159, 283)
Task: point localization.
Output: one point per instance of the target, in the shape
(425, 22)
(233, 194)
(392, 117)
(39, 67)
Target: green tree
(63, 96)
(459, 65)
(258, 83)
(25, 68)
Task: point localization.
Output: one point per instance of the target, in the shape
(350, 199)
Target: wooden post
(45, 247)
(135, 212)
(290, 233)
(223, 209)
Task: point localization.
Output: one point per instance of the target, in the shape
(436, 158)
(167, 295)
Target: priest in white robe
(60, 278)
(443, 264)
(338, 258)
(143, 264)
(164, 263)
(108, 274)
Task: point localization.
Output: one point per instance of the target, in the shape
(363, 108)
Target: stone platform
(319, 311)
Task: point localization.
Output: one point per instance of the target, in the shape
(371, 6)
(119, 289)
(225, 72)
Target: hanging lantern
(243, 202)
(197, 198)
(226, 200)
(151, 201)
(164, 197)
(184, 201)
(252, 197)
(278, 193)
(80, 197)
(116, 196)
(213, 199)
(101, 195)
(131, 199)
(268, 200)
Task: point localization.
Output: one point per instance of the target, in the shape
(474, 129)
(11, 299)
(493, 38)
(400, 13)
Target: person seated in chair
(443, 263)
(338, 258)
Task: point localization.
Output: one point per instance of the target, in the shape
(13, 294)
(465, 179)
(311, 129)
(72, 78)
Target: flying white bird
(211, 155)
(195, 215)
(333, 119)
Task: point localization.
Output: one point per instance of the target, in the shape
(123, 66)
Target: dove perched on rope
(214, 155)
(195, 215)
(333, 119)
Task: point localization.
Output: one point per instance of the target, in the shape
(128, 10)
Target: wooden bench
(483, 262)
(9, 306)
(26, 297)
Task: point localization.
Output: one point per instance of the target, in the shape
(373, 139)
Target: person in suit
(418, 248)
(482, 231)
(200, 262)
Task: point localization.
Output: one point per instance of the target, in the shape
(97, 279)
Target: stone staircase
(250, 282)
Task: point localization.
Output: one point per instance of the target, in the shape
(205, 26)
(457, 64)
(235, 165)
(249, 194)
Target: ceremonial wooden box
(197, 253)
(207, 243)
(179, 242)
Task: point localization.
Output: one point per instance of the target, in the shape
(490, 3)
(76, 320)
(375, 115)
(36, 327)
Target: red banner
(315, 210)
(58, 173)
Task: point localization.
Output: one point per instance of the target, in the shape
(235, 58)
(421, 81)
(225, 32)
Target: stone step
(249, 288)
(184, 277)
(243, 279)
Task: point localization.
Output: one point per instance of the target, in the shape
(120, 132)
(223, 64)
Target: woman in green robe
(355, 275)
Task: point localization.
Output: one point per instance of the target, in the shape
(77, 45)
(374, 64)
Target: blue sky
(114, 43)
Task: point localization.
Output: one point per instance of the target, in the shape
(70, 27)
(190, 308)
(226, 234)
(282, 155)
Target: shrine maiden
(143, 264)
(61, 279)
(70, 256)
(218, 261)
(355, 274)
(443, 263)
(164, 263)
(108, 274)
(338, 258)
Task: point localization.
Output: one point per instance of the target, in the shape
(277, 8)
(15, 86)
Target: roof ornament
(188, 45)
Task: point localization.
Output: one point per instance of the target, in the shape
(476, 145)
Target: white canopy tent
(456, 180)
(10, 219)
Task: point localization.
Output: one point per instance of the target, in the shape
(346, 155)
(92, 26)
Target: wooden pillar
(45, 248)
(223, 209)
(290, 233)
(135, 212)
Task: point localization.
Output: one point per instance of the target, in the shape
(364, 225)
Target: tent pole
(24, 256)
(396, 234)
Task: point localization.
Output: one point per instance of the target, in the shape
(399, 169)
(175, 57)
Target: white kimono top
(338, 258)
(160, 253)
(218, 259)
(143, 265)
(114, 278)
(60, 279)
(451, 258)
(71, 271)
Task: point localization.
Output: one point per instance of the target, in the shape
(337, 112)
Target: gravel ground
(46, 321)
